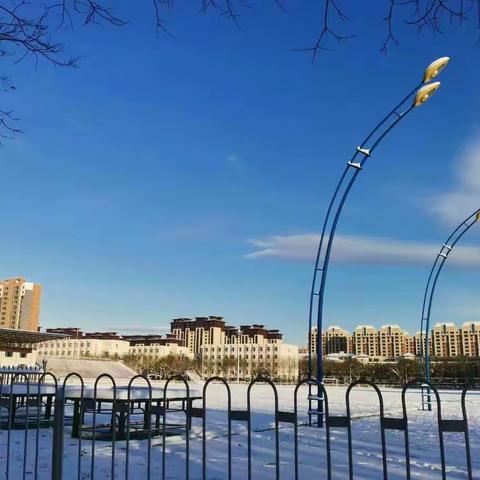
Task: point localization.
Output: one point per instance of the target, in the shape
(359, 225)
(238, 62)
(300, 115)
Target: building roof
(9, 336)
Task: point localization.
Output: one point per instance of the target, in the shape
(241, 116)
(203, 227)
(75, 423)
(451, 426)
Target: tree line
(444, 371)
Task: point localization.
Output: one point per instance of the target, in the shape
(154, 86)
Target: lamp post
(420, 94)
(428, 297)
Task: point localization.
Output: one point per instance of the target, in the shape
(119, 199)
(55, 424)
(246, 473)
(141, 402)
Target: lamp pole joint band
(365, 151)
(356, 165)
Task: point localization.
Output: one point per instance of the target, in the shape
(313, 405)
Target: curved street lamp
(435, 272)
(354, 166)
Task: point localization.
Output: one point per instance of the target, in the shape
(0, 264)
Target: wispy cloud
(360, 250)
(464, 197)
(233, 159)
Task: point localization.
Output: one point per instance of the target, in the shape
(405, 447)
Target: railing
(79, 429)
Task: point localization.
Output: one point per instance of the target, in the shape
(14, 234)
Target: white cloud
(233, 159)
(464, 198)
(360, 250)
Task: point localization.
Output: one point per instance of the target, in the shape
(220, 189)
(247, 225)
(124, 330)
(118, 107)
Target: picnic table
(28, 396)
(118, 403)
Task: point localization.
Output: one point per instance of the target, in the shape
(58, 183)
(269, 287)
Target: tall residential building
(198, 332)
(365, 341)
(336, 340)
(392, 341)
(446, 340)
(471, 339)
(417, 343)
(232, 351)
(19, 304)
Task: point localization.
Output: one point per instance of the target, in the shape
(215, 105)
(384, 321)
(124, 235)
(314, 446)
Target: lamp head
(435, 68)
(424, 93)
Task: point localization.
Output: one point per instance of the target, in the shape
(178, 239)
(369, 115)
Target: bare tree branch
(327, 30)
(390, 36)
(31, 29)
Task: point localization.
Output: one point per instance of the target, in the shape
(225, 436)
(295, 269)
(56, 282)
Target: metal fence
(78, 429)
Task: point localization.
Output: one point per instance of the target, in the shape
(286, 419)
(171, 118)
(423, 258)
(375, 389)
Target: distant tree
(33, 29)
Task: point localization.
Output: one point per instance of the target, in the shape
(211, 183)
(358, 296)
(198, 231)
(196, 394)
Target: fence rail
(78, 429)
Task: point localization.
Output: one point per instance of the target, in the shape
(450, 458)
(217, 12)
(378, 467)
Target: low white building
(156, 346)
(84, 345)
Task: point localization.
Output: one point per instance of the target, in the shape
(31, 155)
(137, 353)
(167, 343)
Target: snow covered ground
(424, 441)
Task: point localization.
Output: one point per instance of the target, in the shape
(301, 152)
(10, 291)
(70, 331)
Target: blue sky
(149, 181)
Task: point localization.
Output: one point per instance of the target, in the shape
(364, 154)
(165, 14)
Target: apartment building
(418, 339)
(19, 304)
(392, 341)
(470, 334)
(446, 340)
(194, 333)
(334, 340)
(249, 350)
(83, 345)
(365, 341)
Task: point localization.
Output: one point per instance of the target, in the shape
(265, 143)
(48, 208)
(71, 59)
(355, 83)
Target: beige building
(470, 333)
(83, 345)
(198, 332)
(365, 341)
(19, 304)
(336, 340)
(236, 352)
(392, 341)
(419, 338)
(446, 340)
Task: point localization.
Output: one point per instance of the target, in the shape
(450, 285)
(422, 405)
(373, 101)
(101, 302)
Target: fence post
(57, 442)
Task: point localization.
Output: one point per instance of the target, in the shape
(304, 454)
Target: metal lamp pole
(420, 95)
(428, 297)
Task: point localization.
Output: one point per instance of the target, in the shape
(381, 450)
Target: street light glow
(425, 93)
(435, 68)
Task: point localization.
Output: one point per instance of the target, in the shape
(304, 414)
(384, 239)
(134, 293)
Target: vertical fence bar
(421, 384)
(466, 432)
(41, 383)
(77, 416)
(187, 424)
(58, 432)
(382, 428)
(147, 422)
(204, 426)
(262, 379)
(94, 424)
